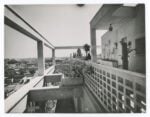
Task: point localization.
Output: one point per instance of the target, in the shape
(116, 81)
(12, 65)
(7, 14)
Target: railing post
(93, 45)
(53, 56)
(41, 62)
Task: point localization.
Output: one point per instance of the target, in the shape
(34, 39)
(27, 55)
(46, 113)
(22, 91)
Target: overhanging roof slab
(112, 14)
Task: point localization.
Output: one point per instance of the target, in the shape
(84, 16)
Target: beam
(16, 22)
(20, 29)
(68, 47)
(47, 45)
(46, 93)
(72, 47)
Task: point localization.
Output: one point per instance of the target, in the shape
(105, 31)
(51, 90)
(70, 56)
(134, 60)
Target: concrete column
(93, 45)
(41, 61)
(53, 56)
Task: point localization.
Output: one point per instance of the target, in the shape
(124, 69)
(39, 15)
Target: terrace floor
(100, 89)
(65, 106)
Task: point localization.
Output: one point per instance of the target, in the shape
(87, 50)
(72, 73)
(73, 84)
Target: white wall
(133, 30)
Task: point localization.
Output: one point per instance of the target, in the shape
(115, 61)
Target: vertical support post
(53, 56)
(41, 61)
(93, 45)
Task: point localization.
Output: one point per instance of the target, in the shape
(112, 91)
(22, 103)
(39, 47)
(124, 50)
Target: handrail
(16, 97)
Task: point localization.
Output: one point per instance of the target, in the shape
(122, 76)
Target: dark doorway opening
(124, 53)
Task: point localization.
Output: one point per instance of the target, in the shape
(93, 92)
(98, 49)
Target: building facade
(125, 43)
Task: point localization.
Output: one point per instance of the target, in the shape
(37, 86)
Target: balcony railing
(117, 90)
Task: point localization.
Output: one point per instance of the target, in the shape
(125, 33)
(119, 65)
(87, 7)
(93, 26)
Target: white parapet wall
(16, 103)
(116, 89)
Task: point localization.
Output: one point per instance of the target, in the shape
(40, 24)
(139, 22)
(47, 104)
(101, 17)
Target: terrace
(89, 88)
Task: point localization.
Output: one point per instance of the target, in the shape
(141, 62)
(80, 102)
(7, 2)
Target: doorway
(124, 53)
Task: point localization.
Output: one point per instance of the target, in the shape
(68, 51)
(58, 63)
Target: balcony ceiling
(112, 14)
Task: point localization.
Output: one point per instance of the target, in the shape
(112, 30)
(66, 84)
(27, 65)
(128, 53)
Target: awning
(112, 14)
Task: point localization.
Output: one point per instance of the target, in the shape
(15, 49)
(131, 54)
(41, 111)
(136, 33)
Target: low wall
(16, 103)
(116, 89)
(108, 63)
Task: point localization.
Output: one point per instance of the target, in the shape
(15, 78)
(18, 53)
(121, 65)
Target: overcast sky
(62, 25)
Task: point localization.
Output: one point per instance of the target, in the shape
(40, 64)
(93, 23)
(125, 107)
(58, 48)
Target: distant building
(31, 65)
(12, 66)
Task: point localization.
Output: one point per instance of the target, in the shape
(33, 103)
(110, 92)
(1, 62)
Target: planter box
(71, 81)
(108, 63)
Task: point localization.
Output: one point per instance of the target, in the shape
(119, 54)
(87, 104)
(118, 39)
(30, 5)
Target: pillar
(93, 45)
(53, 56)
(41, 61)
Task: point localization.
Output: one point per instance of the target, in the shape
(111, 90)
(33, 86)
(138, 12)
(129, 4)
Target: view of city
(19, 72)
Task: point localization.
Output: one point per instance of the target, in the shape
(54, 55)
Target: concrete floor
(65, 106)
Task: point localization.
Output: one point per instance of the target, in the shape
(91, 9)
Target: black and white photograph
(75, 58)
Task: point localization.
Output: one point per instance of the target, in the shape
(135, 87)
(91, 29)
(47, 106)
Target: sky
(62, 25)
